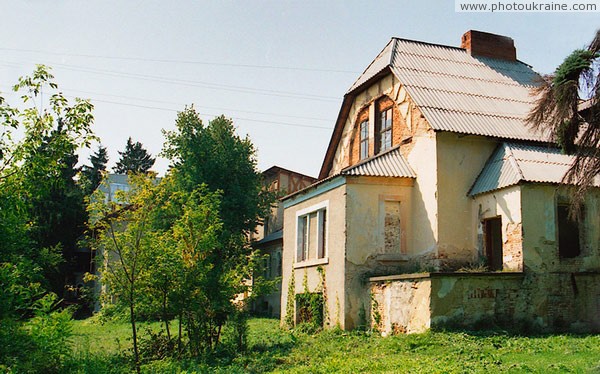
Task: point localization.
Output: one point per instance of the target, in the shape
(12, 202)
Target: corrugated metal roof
(380, 62)
(512, 163)
(388, 164)
(458, 92)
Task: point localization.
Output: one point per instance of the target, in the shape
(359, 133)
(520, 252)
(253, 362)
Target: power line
(193, 62)
(191, 83)
(202, 106)
(212, 115)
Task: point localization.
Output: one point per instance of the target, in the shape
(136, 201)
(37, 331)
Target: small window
(364, 139)
(493, 243)
(312, 235)
(385, 130)
(569, 245)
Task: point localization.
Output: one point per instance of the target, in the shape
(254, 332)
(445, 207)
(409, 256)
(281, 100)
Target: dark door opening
(493, 242)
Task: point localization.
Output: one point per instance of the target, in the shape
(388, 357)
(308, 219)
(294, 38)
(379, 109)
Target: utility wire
(201, 106)
(191, 83)
(211, 114)
(193, 62)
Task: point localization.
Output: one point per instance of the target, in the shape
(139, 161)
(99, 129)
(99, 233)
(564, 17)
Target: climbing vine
(323, 290)
(375, 313)
(290, 311)
(310, 307)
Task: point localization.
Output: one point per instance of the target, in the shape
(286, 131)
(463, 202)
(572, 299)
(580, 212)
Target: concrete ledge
(313, 262)
(503, 274)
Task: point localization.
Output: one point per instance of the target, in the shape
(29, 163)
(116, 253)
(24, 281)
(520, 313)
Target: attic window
(364, 139)
(384, 130)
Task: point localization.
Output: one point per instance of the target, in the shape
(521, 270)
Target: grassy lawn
(99, 347)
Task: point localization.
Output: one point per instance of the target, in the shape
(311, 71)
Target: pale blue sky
(266, 64)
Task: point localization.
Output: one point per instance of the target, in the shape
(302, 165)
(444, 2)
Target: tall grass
(103, 349)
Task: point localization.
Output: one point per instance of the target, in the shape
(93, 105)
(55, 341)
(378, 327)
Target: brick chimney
(484, 44)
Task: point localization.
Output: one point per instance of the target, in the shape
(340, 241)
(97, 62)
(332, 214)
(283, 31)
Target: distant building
(269, 237)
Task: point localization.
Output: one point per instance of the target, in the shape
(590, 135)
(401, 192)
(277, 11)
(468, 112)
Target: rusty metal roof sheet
(387, 164)
(458, 92)
(512, 163)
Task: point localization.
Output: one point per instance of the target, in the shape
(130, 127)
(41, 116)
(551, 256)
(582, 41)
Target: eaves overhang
(313, 190)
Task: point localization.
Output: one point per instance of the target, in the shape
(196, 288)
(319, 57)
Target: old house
(269, 236)
(436, 204)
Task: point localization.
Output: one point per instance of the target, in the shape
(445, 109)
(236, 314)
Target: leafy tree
(92, 175)
(134, 159)
(573, 121)
(124, 241)
(37, 148)
(214, 156)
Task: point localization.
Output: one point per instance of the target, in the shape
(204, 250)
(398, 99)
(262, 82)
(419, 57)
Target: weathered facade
(431, 169)
(269, 236)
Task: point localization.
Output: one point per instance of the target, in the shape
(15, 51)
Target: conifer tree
(568, 109)
(92, 175)
(135, 158)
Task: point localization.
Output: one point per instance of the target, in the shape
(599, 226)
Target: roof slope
(512, 163)
(455, 91)
(458, 92)
(388, 164)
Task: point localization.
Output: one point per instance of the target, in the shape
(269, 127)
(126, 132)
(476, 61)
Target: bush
(40, 344)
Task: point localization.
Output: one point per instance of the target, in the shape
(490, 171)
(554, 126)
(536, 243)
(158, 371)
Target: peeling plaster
(447, 286)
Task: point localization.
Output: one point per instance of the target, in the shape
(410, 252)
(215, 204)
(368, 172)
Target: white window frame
(318, 208)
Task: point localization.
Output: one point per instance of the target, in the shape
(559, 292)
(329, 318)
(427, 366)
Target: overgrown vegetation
(41, 216)
(178, 247)
(98, 349)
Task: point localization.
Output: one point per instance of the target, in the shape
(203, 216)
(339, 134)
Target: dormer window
(364, 140)
(384, 130)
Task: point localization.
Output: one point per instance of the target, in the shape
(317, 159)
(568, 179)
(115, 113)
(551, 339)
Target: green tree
(134, 159)
(125, 238)
(215, 157)
(92, 174)
(568, 108)
(38, 141)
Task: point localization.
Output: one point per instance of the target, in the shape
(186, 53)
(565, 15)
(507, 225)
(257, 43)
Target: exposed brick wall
(400, 130)
(354, 154)
(512, 250)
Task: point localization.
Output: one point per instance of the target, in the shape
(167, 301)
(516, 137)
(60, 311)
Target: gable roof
(512, 163)
(455, 91)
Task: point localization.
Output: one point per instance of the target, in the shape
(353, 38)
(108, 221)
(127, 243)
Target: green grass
(99, 347)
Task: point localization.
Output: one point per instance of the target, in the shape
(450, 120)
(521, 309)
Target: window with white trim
(311, 233)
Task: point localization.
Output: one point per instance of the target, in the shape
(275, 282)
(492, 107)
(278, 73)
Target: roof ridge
(428, 43)
(513, 160)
